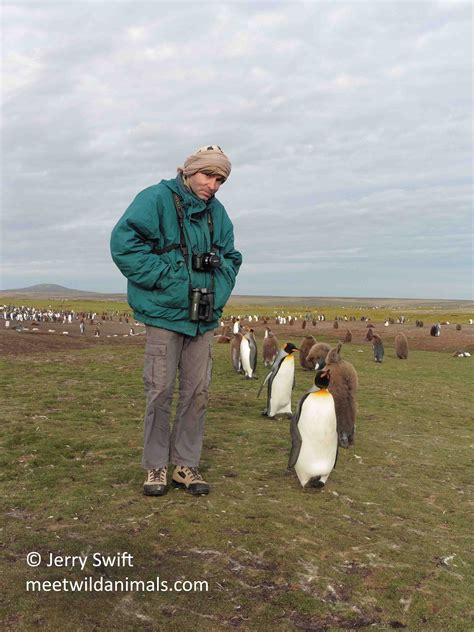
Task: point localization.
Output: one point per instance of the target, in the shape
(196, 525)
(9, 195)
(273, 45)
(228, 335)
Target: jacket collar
(191, 202)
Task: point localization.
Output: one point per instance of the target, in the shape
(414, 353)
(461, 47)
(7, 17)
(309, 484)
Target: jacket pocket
(224, 284)
(173, 287)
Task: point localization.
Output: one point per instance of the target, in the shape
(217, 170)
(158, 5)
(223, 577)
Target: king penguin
(314, 437)
(281, 381)
(248, 354)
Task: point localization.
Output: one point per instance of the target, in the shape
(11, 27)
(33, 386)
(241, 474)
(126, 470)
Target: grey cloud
(346, 123)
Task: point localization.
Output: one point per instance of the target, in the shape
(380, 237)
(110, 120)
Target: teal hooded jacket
(159, 284)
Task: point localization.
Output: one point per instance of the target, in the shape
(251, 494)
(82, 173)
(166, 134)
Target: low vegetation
(386, 545)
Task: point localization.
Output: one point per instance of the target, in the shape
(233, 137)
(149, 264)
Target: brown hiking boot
(156, 483)
(190, 479)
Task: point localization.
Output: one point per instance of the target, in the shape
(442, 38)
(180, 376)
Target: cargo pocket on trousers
(154, 371)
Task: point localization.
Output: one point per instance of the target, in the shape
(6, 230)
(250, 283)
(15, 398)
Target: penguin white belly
(282, 387)
(245, 357)
(318, 429)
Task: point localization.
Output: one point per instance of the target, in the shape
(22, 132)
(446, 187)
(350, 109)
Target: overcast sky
(348, 125)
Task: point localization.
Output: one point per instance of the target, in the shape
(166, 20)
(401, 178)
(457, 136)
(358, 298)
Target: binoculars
(201, 305)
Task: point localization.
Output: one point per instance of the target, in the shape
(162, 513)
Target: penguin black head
(322, 378)
(290, 347)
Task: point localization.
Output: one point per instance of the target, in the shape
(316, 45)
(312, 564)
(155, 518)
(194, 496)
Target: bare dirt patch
(28, 341)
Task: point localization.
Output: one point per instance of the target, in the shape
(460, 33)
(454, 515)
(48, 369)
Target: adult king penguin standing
(175, 246)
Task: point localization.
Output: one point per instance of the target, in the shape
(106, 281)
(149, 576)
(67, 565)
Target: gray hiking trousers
(167, 352)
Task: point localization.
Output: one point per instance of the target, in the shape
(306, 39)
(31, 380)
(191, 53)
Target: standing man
(175, 245)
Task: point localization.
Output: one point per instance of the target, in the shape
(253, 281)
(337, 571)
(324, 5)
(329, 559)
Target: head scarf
(209, 159)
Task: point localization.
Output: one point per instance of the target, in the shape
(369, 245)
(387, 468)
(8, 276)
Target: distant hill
(50, 290)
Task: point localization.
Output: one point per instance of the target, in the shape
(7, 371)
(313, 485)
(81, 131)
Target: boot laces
(158, 475)
(195, 475)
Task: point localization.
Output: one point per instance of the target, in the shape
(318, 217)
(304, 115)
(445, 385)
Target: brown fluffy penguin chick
(270, 347)
(378, 348)
(401, 346)
(343, 387)
(348, 336)
(317, 355)
(235, 352)
(306, 344)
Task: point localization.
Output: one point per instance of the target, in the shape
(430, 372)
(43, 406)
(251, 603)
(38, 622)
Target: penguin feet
(315, 483)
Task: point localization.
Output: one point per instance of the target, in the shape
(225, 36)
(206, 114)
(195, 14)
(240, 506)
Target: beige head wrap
(210, 159)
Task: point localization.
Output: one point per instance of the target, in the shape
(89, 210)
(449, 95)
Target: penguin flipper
(253, 357)
(296, 439)
(296, 442)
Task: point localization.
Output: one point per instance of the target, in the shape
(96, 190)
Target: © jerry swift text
(96, 560)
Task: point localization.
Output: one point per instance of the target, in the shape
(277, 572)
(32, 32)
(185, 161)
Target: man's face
(204, 186)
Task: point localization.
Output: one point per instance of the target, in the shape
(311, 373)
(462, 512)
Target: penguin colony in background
(325, 417)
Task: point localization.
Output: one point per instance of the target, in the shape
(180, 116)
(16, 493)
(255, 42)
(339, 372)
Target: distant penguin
(236, 327)
(378, 348)
(314, 439)
(269, 348)
(335, 324)
(317, 355)
(435, 330)
(343, 387)
(280, 381)
(305, 346)
(235, 352)
(401, 346)
(370, 335)
(348, 336)
(248, 354)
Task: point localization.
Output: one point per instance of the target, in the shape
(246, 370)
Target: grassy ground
(386, 545)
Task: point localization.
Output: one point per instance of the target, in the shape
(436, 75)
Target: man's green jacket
(159, 284)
